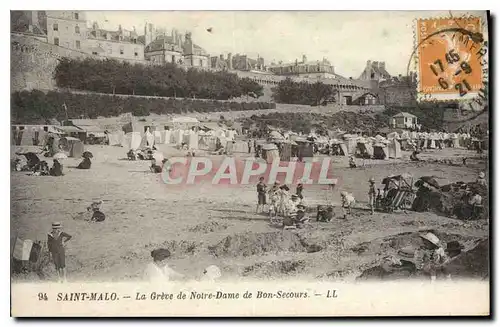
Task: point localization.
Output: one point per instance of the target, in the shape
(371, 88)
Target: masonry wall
(400, 95)
(33, 61)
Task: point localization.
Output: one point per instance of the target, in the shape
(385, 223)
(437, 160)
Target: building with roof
(162, 48)
(307, 69)
(174, 48)
(123, 44)
(375, 71)
(67, 29)
(403, 120)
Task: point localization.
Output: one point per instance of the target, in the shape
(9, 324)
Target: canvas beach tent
(364, 148)
(394, 149)
(27, 136)
(380, 151)
(339, 147)
(166, 136)
(157, 137)
(116, 138)
(72, 146)
(132, 140)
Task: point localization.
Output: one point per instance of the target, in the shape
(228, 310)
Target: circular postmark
(449, 65)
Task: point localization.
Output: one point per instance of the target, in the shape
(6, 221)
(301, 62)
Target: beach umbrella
(87, 154)
(60, 155)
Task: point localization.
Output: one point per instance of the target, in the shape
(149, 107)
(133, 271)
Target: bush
(115, 77)
(288, 91)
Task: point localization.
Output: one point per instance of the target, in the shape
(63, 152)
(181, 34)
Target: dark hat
(454, 246)
(160, 254)
(56, 225)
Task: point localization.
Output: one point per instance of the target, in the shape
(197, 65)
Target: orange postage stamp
(449, 58)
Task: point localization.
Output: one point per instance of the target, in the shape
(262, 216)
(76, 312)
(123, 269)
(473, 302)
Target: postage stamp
(449, 60)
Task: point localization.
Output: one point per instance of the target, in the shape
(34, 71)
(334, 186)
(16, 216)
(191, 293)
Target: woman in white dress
(158, 271)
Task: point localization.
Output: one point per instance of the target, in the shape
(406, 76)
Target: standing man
(56, 242)
(371, 194)
(261, 195)
(249, 146)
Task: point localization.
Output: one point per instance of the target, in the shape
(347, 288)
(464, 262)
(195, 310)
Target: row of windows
(55, 27)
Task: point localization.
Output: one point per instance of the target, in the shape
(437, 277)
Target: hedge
(37, 106)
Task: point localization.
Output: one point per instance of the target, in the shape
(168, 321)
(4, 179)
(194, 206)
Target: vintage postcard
(249, 163)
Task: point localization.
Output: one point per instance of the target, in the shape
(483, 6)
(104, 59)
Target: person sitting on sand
(347, 203)
(430, 256)
(158, 271)
(413, 156)
(352, 163)
(154, 167)
(131, 155)
(475, 204)
(301, 217)
(97, 215)
(57, 169)
(85, 164)
(325, 214)
(481, 179)
(16, 165)
(41, 169)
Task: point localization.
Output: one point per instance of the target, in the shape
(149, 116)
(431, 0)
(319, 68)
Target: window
(94, 53)
(173, 59)
(78, 46)
(136, 52)
(76, 16)
(55, 27)
(110, 49)
(122, 49)
(77, 29)
(56, 41)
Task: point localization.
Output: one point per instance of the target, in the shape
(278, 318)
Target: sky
(346, 38)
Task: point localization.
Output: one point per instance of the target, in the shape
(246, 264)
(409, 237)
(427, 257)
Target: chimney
(221, 57)
(230, 60)
(304, 59)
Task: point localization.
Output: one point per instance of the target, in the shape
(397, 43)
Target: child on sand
(347, 203)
